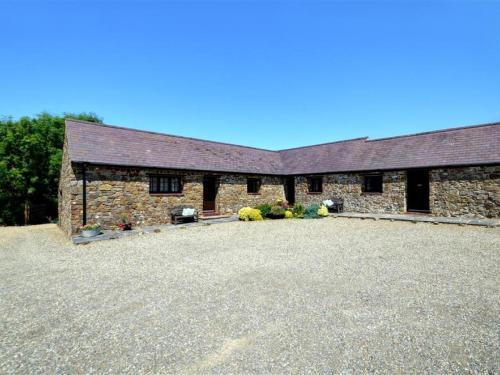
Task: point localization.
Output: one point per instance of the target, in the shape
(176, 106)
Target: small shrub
(298, 210)
(249, 214)
(323, 211)
(277, 212)
(288, 214)
(281, 203)
(264, 209)
(312, 212)
(91, 227)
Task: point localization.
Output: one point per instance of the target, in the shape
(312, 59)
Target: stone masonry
(68, 194)
(349, 187)
(114, 193)
(232, 193)
(454, 192)
(465, 192)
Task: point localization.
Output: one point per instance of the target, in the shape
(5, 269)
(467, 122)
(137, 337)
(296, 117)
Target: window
(315, 184)
(253, 185)
(372, 184)
(164, 184)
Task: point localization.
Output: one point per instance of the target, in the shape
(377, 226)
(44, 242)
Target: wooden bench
(337, 206)
(176, 214)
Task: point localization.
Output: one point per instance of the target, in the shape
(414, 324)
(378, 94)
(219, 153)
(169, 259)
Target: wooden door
(209, 193)
(290, 190)
(418, 190)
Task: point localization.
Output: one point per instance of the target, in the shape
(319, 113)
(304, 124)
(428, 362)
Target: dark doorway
(418, 190)
(209, 193)
(290, 190)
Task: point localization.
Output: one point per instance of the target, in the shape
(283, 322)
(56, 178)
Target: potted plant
(277, 212)
(91, 230)
(125, 224)
(264, 209)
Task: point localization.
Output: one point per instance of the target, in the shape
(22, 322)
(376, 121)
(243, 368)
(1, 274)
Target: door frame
(426, 205)
(290, 182)
(213, 179)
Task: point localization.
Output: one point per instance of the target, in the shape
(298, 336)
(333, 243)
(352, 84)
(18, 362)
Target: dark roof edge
(436, 131)
(434, 166)
(166, 134)
(174, 168)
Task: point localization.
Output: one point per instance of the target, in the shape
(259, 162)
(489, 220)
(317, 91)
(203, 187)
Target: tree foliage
(30, 163)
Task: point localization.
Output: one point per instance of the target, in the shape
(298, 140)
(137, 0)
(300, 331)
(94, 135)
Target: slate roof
(471, 145)
(112, 145)
(105, 144)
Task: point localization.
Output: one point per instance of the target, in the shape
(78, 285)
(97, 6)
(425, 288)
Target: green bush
(264, 209)
(298, 210)
(312, 212)
(288, 214)
(30, 164)
(249, 214)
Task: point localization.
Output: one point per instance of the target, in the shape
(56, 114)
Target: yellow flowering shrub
(249, 214)
(323, 211)
(288, 214)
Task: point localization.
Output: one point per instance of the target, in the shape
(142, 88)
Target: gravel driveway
(327, 295)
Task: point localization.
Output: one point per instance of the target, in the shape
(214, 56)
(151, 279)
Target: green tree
(30, 162)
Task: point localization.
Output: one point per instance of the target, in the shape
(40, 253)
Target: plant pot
(90, 233)
(276, 216)
(125, 226)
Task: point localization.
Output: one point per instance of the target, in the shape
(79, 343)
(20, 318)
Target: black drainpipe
(84, 176)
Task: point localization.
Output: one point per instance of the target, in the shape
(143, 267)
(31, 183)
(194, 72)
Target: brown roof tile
(105, 144)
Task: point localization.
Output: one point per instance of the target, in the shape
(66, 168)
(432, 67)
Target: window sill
(253, 193)
(166, 194)
(315, 192)
(371, 193)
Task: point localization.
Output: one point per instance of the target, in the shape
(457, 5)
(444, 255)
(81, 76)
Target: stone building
(111, 172)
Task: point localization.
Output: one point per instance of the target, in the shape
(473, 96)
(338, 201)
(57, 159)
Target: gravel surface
(331, 295)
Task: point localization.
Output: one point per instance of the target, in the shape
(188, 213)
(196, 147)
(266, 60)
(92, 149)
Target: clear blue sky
(259, 73)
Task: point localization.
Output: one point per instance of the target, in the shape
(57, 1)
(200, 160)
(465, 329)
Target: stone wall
(68, 196)
(114, 192)
(232, 193)
(349, 187)
(467, 192)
